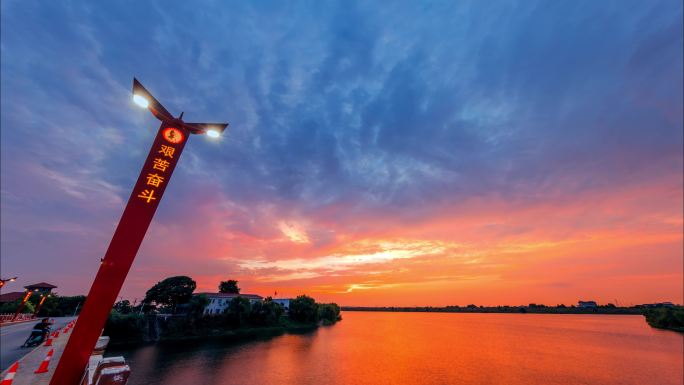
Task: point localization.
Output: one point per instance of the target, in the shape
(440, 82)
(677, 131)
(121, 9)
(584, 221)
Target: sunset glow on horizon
(506, 156)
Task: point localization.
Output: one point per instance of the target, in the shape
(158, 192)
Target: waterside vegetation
(531, 308)
(171, 313)
(671, 318)
(660, 316)
(55, 305)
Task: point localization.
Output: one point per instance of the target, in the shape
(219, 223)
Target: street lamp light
(141, 101)
(144, 99)
(148, 191)
(2, 281)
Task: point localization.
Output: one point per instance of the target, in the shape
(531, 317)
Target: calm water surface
(429, 348)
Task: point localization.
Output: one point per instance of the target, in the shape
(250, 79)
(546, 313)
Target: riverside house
(587, 304)
(218, 302)
(284, 302)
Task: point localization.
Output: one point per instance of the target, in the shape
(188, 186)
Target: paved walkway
(13, 336)
(30, 362)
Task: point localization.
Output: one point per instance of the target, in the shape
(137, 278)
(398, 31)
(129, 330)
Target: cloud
(364, 140)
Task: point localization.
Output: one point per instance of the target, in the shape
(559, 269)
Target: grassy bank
(670, 318)
(125, 330)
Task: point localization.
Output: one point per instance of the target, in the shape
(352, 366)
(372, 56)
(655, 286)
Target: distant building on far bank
(587, 304)
(658, 304)
(284, 302)
(218, 302)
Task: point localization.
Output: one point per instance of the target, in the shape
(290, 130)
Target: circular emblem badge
(173, 135)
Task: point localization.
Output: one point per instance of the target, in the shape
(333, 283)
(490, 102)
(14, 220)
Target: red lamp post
(142, 204)
(43, 297)
(22, 304)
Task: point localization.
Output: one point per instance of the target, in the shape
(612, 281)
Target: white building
(587, 304)
(218, 302)
(284, 302)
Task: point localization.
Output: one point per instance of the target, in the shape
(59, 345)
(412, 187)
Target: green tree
(11, 307)
(171, 292)
(266, 313)
(67, 306)
(123, 306)
(197, 304)
(230, 286)
(239, 309)
(329, 313)
(304, 309)
(666, 317)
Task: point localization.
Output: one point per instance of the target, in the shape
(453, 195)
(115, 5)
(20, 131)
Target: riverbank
(666, 317)
(135, 330)
(538, 309)
(669, 318)
(239, 334)
(238, 323)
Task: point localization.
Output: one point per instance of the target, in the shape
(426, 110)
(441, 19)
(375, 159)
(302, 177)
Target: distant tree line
(531, 308)
(55, 305)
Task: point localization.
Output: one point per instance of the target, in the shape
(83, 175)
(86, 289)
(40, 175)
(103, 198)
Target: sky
(409, 153)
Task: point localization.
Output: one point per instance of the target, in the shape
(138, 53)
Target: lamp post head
(143, 98)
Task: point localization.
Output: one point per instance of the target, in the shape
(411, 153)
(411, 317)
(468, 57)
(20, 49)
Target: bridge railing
(7, 317)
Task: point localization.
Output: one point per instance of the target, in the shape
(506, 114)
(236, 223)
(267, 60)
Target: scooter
(36, 337)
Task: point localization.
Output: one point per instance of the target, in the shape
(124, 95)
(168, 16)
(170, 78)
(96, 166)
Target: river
(430, 348)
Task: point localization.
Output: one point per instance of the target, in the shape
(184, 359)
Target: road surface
(13, 336)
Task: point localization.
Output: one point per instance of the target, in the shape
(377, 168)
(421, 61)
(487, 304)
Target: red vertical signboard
(136, 218)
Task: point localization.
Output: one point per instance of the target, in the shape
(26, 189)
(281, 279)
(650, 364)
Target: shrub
(666, 317)
(304, 309)
(125, 328)
(329, 313)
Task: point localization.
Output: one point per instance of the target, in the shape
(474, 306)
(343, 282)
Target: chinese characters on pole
(142, 204)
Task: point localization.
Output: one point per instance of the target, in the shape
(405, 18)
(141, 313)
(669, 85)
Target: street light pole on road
(142, 204)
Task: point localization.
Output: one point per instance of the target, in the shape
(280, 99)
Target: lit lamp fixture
(141, 101)
(144, 99)
(3, 281)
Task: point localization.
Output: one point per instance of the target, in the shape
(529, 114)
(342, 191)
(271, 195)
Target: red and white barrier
(43, 368)
(10, 374)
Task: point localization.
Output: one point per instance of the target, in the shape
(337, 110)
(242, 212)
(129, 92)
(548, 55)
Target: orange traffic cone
(44, 365)
(56, 334)
(10, 374)
(48, 342)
